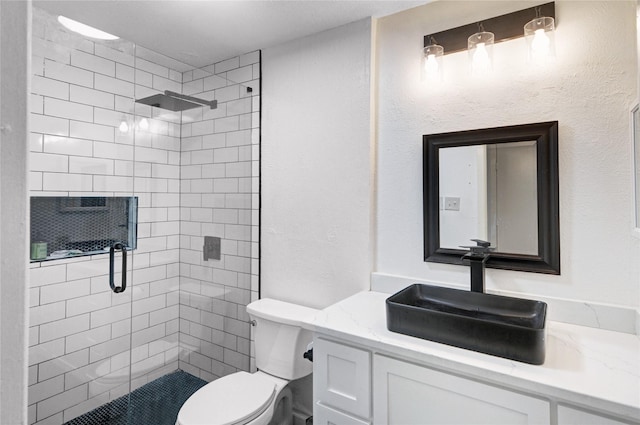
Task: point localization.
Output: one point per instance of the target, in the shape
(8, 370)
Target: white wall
(589, 90)
(316, 198)
(316, 244)
(15, 51)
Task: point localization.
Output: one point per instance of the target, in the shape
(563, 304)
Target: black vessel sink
(507, 327)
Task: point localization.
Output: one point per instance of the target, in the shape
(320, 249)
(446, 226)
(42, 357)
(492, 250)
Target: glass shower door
(129, 347)
(84, 222)
(197, 181)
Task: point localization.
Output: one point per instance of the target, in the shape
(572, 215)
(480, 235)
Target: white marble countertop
(589, 367)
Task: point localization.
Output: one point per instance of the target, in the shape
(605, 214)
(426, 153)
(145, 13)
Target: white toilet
(258, 398)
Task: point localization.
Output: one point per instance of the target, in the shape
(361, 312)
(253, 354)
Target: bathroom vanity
(365, 374)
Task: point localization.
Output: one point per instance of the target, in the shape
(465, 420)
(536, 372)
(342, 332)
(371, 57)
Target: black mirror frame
(546, 136)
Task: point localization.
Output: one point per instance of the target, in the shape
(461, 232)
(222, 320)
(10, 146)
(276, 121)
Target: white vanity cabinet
(357, 385)
(365, 374)
(354, 386)
(405, 393)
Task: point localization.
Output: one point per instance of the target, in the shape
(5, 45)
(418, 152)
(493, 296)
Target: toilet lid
(232, 399)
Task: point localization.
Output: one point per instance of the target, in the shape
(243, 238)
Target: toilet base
(283, 408)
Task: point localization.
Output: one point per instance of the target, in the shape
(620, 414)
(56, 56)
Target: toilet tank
(279, 339)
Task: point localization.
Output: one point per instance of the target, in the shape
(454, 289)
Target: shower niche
(63, 227)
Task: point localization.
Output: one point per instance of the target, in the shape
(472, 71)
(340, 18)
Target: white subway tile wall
(217, 200)
(195, 174)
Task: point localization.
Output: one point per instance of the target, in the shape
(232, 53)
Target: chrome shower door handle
(112, 250)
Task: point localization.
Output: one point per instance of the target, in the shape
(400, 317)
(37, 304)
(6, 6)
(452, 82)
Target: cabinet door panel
(324, 415)
(408, 394)
(342, 377)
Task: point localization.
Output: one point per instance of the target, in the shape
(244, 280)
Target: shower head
(176, 102)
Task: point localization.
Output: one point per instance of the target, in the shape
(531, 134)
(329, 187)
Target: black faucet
(477, 256)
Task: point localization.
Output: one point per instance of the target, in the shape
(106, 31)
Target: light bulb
(431, 65)
(481, 62)
(540, 45)
(432, 62)
(540, 35)
(144, 124)
(124, 127)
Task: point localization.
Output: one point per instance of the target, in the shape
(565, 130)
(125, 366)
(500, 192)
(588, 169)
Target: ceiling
(202, 32)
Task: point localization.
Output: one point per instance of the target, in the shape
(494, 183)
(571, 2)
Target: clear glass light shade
(540, 36)
(432, 63)
(480, 48)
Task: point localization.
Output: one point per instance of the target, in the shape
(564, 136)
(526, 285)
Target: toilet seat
(234, 399)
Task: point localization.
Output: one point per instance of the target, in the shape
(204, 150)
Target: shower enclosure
(111, 119)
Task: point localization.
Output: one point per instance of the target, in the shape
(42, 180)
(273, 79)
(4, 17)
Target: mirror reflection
(496, 184)
(489, 192)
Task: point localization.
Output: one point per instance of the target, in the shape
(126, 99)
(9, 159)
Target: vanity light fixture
(432, 61)
(539, 29)
(540, 36)
(480, 48)
(85, 30)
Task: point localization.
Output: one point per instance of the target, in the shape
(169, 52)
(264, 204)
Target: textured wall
(316, 167)
(589, 90)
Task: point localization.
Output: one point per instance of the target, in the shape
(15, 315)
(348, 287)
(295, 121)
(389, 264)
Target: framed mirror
(495, 184)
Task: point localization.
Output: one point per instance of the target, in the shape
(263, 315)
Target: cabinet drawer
(324, 415)
(342, 377)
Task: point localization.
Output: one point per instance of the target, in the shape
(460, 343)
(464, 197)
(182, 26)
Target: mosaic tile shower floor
(156, 403)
